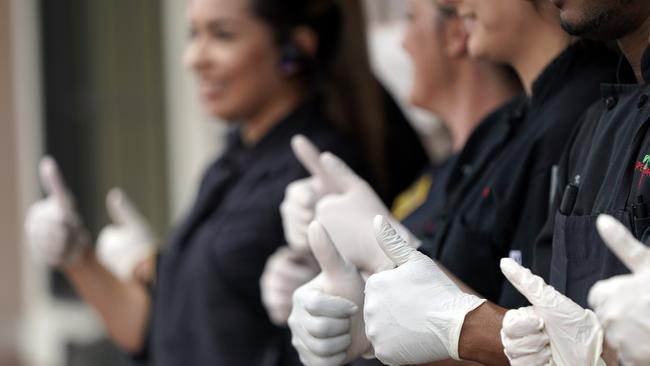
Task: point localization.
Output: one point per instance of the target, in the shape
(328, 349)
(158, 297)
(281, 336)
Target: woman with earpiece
(273, 69)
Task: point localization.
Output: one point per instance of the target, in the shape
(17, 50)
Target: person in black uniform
(460, 90)
(267, 65)
(504, 204)
(605, 170)
(604, 165)
(502, 209)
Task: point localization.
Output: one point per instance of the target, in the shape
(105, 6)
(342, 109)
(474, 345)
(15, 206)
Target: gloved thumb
(396, 248)
(338, 174)
(120, 208)
(564, 319)
(545, 298)
(330, 260)
(620, 240)
(52, 181)
(307, 154)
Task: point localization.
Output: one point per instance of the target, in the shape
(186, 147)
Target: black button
(611, 102)
(643, 100)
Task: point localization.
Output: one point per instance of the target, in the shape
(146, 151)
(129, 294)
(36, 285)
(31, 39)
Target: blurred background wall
(100, 85)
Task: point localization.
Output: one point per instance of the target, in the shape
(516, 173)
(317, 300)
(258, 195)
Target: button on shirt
(500, 212)
(609, 162)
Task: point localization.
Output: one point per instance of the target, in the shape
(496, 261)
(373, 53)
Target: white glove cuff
(473, 303)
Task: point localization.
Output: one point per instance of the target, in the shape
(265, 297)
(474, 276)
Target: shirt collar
(568, 63)
(278, 137)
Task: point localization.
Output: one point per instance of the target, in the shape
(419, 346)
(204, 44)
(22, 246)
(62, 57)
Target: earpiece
(292, 58)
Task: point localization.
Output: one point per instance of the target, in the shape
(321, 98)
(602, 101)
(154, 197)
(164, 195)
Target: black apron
(608, 161)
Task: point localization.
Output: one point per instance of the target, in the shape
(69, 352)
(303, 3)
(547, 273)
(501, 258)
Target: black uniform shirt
(207, 308)
(608, 164)
(486, 141)
(504, 209)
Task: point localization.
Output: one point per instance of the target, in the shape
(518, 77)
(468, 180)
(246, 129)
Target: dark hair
(324, 17)
(341, 69)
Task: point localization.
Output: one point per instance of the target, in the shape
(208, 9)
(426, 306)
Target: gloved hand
(348, 214)
(286, 270)
(524, 341)
(413, 313)
(297, 208)
(326, 322)
(622, 303)
(53, 228)
(574, 333)
(128, 241)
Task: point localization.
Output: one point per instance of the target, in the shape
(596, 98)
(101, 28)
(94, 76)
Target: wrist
(84, 258)
(480, 338)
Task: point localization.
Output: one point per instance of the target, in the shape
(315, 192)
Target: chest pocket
(471, 255)
(580, 258)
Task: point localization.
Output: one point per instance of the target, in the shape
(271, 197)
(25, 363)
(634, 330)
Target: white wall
(9, 235)
(193, 139)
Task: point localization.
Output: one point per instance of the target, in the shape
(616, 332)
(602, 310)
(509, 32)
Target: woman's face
(234, 57)
(495, 26)
(424, 42)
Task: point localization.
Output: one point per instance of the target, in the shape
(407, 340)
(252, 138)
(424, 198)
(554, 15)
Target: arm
(480, 338)
(123, 306)
(55, 235)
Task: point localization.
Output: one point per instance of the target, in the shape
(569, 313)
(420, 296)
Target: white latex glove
(285, 271)
(53, 228)
(413, 313)
(348, 214)
(326, 322)
(524, 341)
(299, 203)
(574, 333)
(128, 241)
(622, 303)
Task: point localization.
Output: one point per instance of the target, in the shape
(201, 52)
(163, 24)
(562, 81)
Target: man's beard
(601, 24)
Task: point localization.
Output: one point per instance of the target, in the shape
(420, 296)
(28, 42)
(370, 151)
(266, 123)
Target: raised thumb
(627, 248)
(120, 208)
(330, 260)
(307, 154)
(395, 247)
(340, 176)
(52, 181)
(531, 286)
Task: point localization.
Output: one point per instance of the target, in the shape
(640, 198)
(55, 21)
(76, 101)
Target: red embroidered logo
(486, 192)
(642, 167)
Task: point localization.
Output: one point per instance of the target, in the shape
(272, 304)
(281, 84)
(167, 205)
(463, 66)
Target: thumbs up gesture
(297, 208)
(622, 303)
(122, 245)
(574, 333)
(53, 228)
(326, 322)
(343, 202)
(413, 313)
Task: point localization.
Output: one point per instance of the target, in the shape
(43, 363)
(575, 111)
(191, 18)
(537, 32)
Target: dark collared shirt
(608, 161)
(462, 170)
(500, 213)
(207, 308)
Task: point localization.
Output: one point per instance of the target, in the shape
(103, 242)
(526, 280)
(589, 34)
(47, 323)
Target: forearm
(124, 307)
